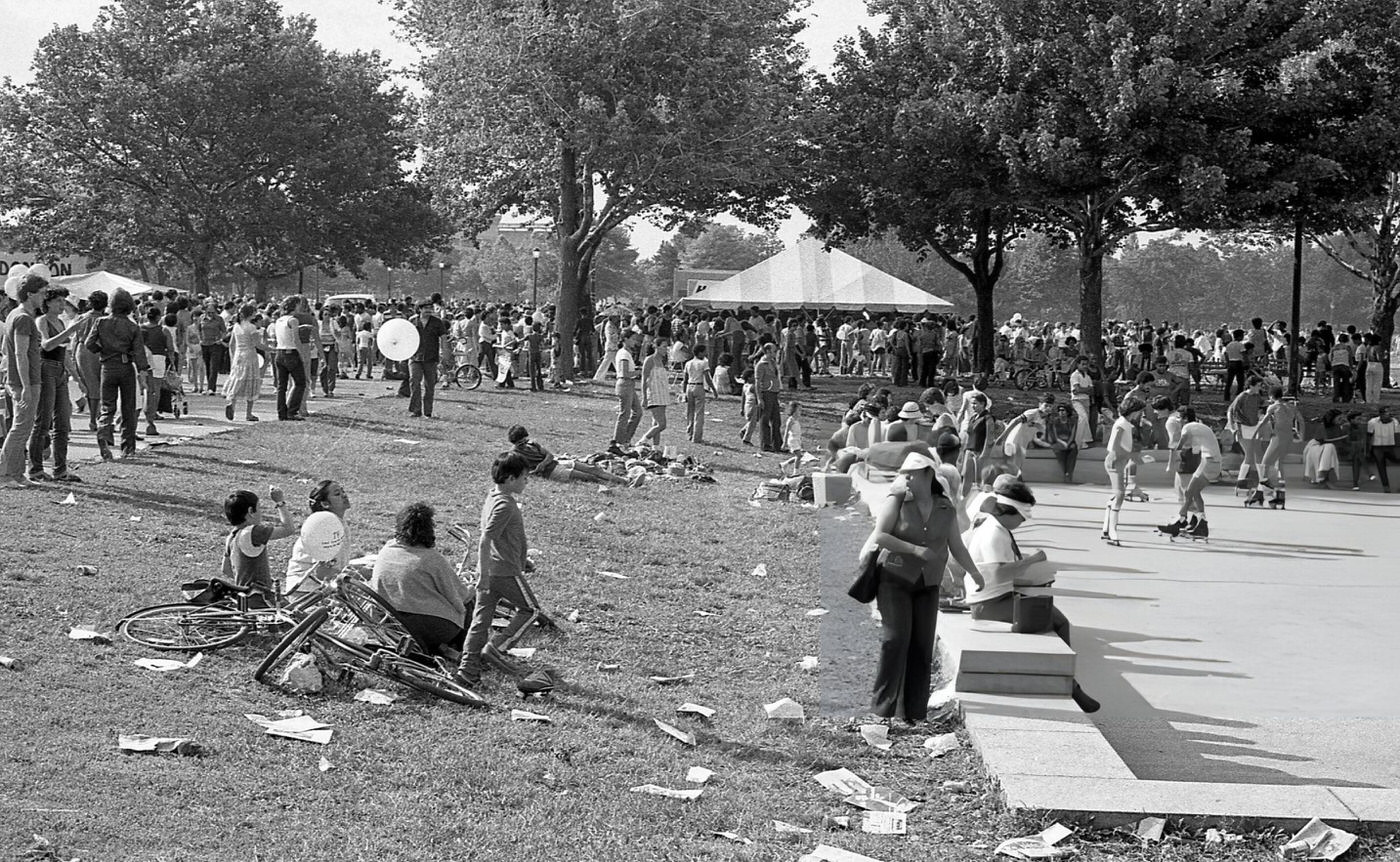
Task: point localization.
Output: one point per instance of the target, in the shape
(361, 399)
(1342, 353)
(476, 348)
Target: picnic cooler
(831, 488)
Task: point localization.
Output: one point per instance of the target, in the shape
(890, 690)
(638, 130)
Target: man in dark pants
(901, 352)
(930, 352)
(423, 368)
(765, 376)
(288, 363)
(212, 332)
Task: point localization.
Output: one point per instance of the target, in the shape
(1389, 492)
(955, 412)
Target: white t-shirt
(1198, 437)
(285, 333)
(1382, 433)
(1077, 380)
(989, 544)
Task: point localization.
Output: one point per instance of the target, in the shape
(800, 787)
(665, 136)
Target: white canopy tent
(809, 276)
(82, 286)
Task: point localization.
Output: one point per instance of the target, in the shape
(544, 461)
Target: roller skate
(1136, 494)
(1279, 500)
(1197, 531)
(1172, 530)
(1255, 498)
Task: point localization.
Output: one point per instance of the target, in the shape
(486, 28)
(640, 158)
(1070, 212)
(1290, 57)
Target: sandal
(953, 606)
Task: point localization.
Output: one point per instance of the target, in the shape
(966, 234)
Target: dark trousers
(908, 620)
(770, 432)
(1067, 458)
(213, 356)
(1233, 371)
(1341, 384)
(330, 371)
(287, 366)
(118, 380)
(433, 633)
(54, 421)
(536, 371)
(1381, 455)
(805, 363)
(901, 369)
(928, 367)
(422, 382)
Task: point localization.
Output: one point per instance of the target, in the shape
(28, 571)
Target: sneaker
(38, 477)
(492, 655)
(467, 678)
(228, 412)
(151, 431)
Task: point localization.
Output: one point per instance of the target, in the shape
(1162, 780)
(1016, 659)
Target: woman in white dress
(244, 382)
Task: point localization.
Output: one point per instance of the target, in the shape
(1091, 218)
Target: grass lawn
(424, 779)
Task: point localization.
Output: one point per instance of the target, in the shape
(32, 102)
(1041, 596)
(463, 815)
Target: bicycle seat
(227, 586)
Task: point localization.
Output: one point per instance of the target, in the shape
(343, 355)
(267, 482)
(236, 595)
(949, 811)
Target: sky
(347, 25)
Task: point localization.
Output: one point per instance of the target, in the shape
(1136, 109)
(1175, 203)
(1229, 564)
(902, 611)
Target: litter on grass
(136, 518)
(79, 633)
(302, 728)
(70, 500)
(956, 787)
(671, 730)
(11, 663)
(696, 709)
(406, 441)
(603, 667)
(885, 823)
(706, 614)
(616, 575)
(376, 696)
(526, 715)
(165, 665)
(737, 839)
(876, 736)
(522, 652)
(1038, 846)
(827, 853)
(600, 517)
(760, 571)
(1150, 828)
(808, 663)
(818, 612)
(1219, 836)
(784, 826)
(688, 794)
(672, 680)
(756, 504)
(247, 462)
(939, 745)
(784, 709)
(881, 799)
(843, 781)
(1317, 840)
(139, 743)
(573, 616)
(698, 775)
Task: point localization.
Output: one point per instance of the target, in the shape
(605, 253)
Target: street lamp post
(535, 289)
(442, 276)
(389, 270)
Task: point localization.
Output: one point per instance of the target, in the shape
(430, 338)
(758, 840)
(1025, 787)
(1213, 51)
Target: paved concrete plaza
(1265, 657)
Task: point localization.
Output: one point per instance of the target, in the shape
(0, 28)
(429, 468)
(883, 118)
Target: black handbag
(867, 580)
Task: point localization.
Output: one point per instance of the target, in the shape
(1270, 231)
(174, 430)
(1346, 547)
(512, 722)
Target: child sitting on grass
(245, 549)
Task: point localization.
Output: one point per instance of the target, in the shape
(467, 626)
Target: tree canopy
(211, 133)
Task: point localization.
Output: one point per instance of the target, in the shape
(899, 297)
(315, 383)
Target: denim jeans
(53, 422)
(288, 365)
(422, 381)
(25, 404)
(629, 416)
(908, 620)
(118, 380)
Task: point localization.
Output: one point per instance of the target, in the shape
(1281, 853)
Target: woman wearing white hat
(915, 533)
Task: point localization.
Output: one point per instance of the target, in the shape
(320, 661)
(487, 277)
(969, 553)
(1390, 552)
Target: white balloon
(398, 340)
(322, 536)
(13, 279)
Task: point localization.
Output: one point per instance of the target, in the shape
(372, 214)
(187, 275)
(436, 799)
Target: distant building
(686, 281)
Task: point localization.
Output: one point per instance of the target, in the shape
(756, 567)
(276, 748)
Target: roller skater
(1120, 455)
(1286, 425)
(1244, 419)
(1196, 459)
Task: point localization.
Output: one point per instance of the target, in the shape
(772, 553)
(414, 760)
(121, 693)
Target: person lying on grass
(542, 462)
(421, 585)
(245, 549)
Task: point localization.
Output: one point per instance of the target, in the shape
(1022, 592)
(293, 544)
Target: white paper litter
(325, 765)
(296, 726)
(573, 616)
(737, 839)
(885, 823)
(246, 462)
(808, 663)
(603, 667)
(785, 709)
(843, 781)
(671, 730)
(1317, 840)
(136, 518)
(672, 680)
(784, 826)
(165, 665)
(616, 575)
(696, 709)
(827, 853)
(70, 500)
(760, 571)
(1150, 828)
(881, 799)
(600, 517)
(876, 736)
(522, 652)
(142, 744)
(698, 775)
(818, 612)
(939, 745)
(705, 614)
(688, 794)
(79, 633)
(376, 696)
(1218, 836)
(1039, 846)
(406, 441)
(526, 715)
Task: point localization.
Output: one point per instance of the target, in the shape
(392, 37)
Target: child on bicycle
(245, 549)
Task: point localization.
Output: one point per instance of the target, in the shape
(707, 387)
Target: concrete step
(1014, 683)
(982, 651)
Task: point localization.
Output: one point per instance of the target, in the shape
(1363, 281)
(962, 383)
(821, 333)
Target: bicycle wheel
(185, 627)
(425, 679)
(468, 376)
(289, 646)
(375, 615)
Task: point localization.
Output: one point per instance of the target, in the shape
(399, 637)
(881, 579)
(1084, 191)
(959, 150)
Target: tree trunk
(570, 238)
(199, 266)
(261, 287)
(1384, 304)
(1296, 322)
(1091, 250)
(982, 349)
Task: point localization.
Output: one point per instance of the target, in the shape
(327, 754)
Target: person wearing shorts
(1196, 460)
(1120, 455)
(1244, 418)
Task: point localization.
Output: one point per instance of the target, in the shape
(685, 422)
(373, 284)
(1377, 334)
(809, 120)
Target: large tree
(212, 134)
(592, 112)
(1368, 247)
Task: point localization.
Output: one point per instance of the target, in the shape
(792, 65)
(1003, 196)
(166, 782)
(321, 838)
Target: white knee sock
(1113, 524)
(1107, 511)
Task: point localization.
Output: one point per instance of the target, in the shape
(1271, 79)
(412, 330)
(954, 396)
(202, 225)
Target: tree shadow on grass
(231, 466)
(150, 501)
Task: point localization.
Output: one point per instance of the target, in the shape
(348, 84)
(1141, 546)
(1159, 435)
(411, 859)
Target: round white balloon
(13, 279)
(398, 340)
(322, 536)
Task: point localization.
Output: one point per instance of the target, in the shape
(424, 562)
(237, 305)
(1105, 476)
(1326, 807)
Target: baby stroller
(172, 395)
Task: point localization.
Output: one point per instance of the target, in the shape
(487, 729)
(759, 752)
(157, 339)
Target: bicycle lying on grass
(231, 615)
